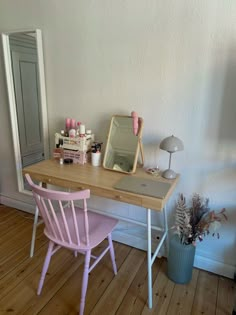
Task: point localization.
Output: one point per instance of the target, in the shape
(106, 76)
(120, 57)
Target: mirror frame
(139, 147)
(12, 102)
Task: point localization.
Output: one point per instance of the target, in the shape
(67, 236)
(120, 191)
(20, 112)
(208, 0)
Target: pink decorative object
(73, 124)
(74, 228)
(68, 124)
(135, 122)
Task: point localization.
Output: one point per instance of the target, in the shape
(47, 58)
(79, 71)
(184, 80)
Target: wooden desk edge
(156, 204)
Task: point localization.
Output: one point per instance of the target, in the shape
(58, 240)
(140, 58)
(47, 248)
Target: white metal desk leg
(166, 230)
(36, 215)
(149, 258)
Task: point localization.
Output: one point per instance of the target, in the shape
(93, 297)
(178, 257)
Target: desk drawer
(118, 196)
(128, 199)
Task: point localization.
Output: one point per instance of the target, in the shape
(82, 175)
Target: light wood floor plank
(183, 296)
(15, 240)
(137, 294)
(99, 279)
(124, 294)
(206, 294)
(226, 296)
(6, 211)
(21, 271)
(162, 292)
(23, 298)
(117, 289)
(9, 234)
(12, 259)
(12, 222)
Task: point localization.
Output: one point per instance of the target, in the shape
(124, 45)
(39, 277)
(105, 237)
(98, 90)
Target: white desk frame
(50, 172)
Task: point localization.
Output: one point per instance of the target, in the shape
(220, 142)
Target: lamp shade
(171, 144)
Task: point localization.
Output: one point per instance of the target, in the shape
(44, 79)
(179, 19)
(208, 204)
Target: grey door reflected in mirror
(124, 144)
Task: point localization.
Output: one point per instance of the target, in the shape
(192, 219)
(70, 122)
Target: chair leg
(36, 215)
(45, 266)
(85, 281)
(112, 253)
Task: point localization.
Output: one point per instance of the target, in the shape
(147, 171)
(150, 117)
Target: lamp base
(169, 174)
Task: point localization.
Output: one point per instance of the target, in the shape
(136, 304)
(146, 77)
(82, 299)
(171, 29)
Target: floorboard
(123, 294)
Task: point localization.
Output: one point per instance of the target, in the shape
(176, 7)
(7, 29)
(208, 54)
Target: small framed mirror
(124, 144)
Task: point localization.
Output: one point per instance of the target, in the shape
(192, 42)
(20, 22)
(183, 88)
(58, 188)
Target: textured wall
(174, 62)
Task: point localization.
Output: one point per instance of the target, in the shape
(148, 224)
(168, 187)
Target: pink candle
(73, 124)
(68, 123)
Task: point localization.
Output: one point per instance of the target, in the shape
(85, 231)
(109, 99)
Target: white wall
(174, 62)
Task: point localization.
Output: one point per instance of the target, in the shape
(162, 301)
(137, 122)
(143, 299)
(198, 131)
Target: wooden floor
(124, 294)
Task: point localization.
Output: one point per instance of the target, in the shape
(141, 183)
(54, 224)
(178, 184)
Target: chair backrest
(64, 222)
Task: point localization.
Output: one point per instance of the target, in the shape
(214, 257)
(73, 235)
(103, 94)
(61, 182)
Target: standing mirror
(24, 67)
(123, 144)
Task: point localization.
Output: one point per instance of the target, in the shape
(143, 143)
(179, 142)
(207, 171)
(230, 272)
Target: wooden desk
(101, 182)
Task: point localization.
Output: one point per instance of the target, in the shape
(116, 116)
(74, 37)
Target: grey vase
(180, 261)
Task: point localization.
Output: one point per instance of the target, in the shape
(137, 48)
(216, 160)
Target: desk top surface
(100, 181)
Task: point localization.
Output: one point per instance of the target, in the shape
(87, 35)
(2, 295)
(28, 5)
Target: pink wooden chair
(75, 228)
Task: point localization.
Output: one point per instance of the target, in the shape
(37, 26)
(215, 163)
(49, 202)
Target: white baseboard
(214, 266)
(135, 236)
(18, 204)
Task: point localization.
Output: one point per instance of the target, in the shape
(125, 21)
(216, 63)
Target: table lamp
(171, 144)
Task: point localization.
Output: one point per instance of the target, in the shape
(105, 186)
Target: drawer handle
(118, 197)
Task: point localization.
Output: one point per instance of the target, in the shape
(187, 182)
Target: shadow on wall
(227, 126)
(220, 104)
(227, 137)
(218, 168)
(220, 132)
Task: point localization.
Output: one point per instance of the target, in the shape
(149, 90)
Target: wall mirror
(24, 67)
(123, 144)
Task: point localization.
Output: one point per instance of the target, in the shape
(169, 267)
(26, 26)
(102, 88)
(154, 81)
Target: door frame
(12, 102)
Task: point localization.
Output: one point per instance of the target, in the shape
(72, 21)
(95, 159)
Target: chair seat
(99, 227)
